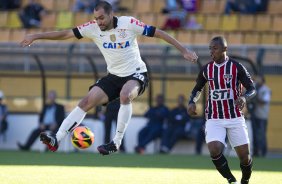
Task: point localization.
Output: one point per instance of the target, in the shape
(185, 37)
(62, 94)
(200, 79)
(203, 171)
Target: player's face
(104, 20)
(217, 52)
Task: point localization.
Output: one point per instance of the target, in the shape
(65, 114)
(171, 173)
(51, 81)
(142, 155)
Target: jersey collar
(115, 21)
(226, 59)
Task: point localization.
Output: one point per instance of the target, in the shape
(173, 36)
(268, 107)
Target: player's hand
(191, 109)
(190, 56)
(27, 41)
(240, 102)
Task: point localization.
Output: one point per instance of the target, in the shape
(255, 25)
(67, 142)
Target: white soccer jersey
(118, 45)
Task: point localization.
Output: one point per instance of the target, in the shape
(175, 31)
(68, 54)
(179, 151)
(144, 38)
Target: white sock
(70, 122)
(124, 116)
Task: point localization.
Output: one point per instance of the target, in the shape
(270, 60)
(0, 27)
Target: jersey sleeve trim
(115, 22)
(250, 93)
(77, 33)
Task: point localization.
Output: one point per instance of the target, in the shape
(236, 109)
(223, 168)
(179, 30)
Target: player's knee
(244, 158)
(215, 149)
(85, 104)
(124, 98)
(215, 152)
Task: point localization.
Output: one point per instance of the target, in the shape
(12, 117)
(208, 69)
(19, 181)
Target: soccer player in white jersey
(127, 73)
(224, 108)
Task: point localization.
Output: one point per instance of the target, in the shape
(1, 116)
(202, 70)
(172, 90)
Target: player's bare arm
(55, 35)
(187, 54)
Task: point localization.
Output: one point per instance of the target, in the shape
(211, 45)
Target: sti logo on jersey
(227, 77)
(221, 94)
(113, 45)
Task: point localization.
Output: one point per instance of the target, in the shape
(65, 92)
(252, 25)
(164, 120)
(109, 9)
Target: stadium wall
(21, 126)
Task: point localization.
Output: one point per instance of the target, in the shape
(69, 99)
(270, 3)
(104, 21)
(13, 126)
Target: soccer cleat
(232, 180)
(244, 181)
(49, 140)
(106, 149)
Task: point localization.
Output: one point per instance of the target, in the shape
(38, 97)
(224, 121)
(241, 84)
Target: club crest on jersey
(111, 45)
(227, 77)
(122, 33)
(113, 37)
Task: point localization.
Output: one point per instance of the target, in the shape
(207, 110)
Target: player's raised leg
(96, 96)
(129, 91)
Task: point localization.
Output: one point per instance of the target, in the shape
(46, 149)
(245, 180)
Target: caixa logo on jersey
(221, 94)
(116, 45)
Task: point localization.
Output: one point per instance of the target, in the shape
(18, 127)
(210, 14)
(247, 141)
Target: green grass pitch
(83, 168)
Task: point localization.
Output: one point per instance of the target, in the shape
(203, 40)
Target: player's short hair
(105, 5)
(221, 40)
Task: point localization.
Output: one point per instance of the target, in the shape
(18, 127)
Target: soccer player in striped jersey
(224, 108)
(116, 38)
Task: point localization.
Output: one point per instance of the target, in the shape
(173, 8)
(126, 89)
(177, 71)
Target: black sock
(246, 172)
(221, 165)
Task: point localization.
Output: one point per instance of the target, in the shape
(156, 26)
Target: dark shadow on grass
(127, 160)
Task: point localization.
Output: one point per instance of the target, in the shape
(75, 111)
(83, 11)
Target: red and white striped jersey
(225, 82)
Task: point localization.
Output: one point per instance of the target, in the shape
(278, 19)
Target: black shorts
(112, 84)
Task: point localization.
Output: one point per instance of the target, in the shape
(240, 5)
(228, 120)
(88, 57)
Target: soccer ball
(82, 137)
